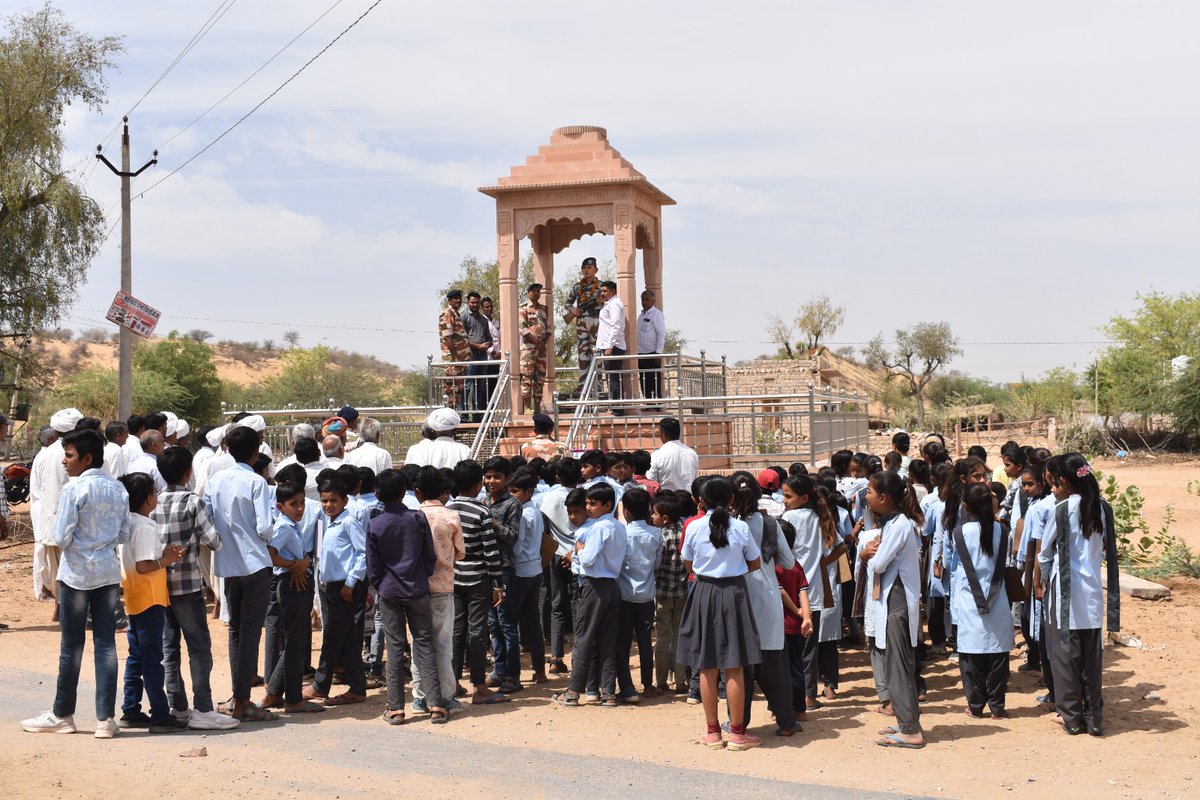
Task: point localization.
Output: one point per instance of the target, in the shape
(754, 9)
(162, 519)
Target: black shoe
(170, 725)
(135, 719)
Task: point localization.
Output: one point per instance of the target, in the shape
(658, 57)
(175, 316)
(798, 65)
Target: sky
(1019, 170)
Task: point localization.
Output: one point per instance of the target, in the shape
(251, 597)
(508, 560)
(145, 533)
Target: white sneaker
(107, 729)
(182, 716)
(212, 721)
(46, 722)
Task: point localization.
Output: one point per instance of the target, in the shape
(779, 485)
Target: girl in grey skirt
(718, 630)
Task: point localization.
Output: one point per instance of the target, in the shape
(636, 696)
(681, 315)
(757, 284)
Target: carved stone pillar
(508, 258)
(543, 270)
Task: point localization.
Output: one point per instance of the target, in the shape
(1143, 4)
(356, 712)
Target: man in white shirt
(136, 425)
(652, 338)
(334, 449)
(438, 448)
(610, 339)
(369, 453)
(674, 465)
(302, 430)
(153, 444)
(47, 478)
(115, 463)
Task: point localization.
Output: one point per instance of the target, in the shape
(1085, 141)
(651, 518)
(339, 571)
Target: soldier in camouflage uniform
(541, 445)
(534, 330)
(453, 338)
(583, 306)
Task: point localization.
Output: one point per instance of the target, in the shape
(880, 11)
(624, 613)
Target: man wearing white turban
(438, 448)
(46, 479)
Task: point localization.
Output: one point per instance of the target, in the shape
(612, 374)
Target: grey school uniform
(1074, 600)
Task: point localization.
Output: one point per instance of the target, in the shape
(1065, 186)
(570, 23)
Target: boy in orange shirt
(144, 565)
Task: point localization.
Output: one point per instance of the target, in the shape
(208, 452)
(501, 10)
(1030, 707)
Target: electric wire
(251, 76)
(262, 102)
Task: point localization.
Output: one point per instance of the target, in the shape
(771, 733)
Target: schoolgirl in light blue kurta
(1086, 553)
(763, 587)
(991, 632)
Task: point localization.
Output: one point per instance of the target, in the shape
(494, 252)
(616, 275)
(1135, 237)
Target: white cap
(216, 436)
(182, 429)
(442, 420)
(254, 422)
(172, 426)
(64, 421)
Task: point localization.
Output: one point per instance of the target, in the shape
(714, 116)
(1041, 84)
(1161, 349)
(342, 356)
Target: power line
(290, 324)
(264, 101)
(208, 25)
(251, 76)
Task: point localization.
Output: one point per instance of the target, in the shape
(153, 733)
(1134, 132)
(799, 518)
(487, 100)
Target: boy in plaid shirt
(184, 521)
(671, 581)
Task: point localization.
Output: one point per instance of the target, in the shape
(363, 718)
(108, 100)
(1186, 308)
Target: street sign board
(129, 312)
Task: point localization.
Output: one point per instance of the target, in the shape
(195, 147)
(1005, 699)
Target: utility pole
(125, 349)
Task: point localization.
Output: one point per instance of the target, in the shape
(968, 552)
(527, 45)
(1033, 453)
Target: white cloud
(924, 160)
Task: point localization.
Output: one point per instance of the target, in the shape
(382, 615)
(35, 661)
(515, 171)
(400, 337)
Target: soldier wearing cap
(543, 445)
(534, 329)
(583, 306)
(453, 338)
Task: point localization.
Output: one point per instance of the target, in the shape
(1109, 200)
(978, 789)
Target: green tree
(94, 392)
(1053, 395)
(1185, 399)
(484, 277)
(309, 379)
(918, 354)
(1135, 373)
(49, 229)
(816, 321)
(189, 364)
(955, 388)
(292, 338)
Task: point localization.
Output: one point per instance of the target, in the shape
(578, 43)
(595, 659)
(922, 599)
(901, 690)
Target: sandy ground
(534, 748)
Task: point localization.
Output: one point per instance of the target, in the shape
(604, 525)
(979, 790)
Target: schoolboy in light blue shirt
(643, 554)
(600, 554)
(527, 565)
(593, 468)
(343, 569)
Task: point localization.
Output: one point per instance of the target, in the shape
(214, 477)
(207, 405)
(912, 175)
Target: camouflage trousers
(533, 378)
(453, 388)
(586, 329)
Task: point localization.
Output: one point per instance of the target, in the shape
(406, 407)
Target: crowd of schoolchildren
(735, 582)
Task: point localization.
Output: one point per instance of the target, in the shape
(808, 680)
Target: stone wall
(773, 376)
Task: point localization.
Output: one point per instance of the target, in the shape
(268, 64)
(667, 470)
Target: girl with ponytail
(816, 537)
(981, 608)
(766, 603)
(718, 631)
(1074, 542)
(1039, 509)
(964, 472)
(894, 559)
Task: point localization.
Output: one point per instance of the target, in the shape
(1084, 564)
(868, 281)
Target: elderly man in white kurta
(369, 453)
(441, 450)
(47, 478)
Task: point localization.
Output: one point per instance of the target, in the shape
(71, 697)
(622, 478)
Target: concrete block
(1143, 589)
